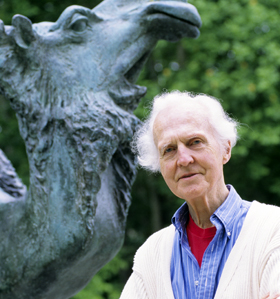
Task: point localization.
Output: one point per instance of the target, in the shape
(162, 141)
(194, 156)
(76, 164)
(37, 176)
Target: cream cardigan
(251, 271)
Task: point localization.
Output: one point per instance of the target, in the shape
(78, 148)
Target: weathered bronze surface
(72, 86)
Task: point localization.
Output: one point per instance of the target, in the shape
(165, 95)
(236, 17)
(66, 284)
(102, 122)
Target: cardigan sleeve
(134, 288)
(151, 268)
(270, 279)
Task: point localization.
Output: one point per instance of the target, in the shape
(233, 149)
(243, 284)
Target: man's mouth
(187, 176)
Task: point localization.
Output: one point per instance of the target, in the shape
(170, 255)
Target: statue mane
(72, 84)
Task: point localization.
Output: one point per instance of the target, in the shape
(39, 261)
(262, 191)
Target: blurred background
(236, 59)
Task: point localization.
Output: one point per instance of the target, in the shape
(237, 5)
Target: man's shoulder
(163, 235)
(263, 219)
(157, 247)
(264, 210)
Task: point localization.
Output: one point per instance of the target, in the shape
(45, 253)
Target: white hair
(224, 127)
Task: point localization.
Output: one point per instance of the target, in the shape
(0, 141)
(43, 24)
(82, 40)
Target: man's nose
(184, 156)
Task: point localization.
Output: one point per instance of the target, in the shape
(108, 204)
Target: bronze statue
(72, 86)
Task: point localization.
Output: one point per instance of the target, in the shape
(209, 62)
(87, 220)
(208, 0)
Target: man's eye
(195, 142)
(168, 150)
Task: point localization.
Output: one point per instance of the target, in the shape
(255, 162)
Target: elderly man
(218, 246)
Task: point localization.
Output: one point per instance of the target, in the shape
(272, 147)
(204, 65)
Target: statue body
(72, 86)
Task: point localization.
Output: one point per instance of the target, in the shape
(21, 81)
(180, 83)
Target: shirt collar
(225, 213)
(181, 217)
(228, 211)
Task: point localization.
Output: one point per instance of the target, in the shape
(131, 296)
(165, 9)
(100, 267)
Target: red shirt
(199, 238)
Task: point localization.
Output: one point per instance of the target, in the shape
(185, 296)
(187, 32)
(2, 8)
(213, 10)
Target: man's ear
(227, 152)
(23, 32)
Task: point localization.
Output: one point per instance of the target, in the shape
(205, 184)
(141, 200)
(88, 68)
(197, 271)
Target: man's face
(191, 160)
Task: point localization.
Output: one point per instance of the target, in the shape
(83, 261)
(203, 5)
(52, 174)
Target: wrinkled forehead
(184, 113)
(186, 121)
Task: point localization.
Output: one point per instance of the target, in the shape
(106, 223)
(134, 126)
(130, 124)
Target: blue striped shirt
(189, 281)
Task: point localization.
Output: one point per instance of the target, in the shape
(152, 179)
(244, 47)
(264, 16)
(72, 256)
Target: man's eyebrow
(166, 146)
(194, 136)
(188, 138)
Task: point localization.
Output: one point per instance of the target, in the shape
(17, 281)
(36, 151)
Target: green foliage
(9, 8)
(101, 287)
(11, 142)
(237, 60)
